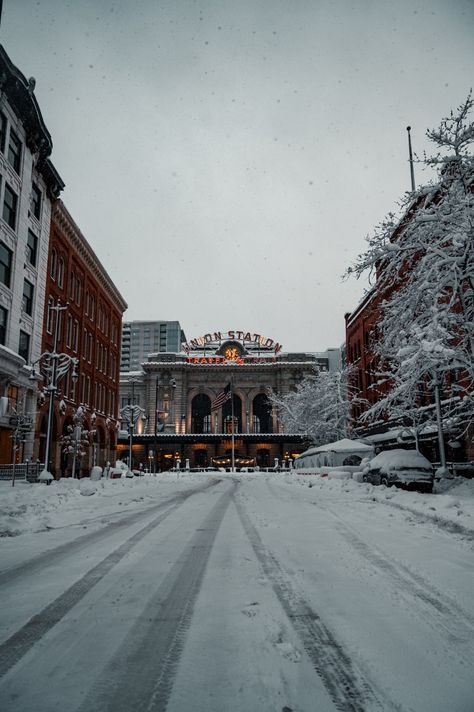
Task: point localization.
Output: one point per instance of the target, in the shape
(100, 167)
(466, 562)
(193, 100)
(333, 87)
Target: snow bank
(451, 504)
(339, 475)
(28, 508)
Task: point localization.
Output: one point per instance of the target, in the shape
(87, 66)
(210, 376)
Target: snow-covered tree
(318, 408)
(424, 267)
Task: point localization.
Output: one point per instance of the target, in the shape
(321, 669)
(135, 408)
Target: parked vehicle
(403, 468)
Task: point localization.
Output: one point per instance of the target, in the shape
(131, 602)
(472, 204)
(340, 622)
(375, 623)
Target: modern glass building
(140, 338)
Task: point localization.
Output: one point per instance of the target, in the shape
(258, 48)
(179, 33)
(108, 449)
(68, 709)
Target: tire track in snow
(86, 540)
(17, 645)
(441, 611)
(444, 613)
(347, 686)
(141, 674)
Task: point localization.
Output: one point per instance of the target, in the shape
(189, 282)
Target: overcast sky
(226, 158)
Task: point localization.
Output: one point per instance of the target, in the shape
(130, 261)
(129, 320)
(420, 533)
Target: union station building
(175, 392)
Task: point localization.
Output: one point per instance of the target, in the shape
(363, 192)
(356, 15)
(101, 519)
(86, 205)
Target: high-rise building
(140, 338)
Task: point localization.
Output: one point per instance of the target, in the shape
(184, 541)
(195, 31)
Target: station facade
(176, 392)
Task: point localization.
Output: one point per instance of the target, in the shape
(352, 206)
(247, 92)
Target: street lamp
(443, 471)
(130, 414)
(77, 441)
(54, 365)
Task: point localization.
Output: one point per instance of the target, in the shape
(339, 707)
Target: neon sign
(221, 360)
(245, 337)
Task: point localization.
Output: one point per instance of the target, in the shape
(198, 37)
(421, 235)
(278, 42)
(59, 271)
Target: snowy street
(208, 593)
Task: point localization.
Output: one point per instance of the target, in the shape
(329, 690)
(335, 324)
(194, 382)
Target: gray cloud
(226, 159)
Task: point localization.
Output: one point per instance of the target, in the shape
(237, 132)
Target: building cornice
(20, 94)
(210, 437)
(63, 220)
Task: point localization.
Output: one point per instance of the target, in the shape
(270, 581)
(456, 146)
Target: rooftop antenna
(410, 159)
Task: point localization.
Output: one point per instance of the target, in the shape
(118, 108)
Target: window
(75, 335)
(49, 318)
(3, 325)
(32, 248)
(36, 201)
(24, 345)
(3, 131)
(10, 201)
(28, 291)
(60, 272)
(5, 264)
(68, 330)
(14, 151)
(54, 264)
(71, 286)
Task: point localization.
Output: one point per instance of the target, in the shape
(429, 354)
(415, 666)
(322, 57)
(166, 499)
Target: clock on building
(231, 353)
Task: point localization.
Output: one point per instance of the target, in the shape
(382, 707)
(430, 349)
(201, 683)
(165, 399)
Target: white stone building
(28, 185)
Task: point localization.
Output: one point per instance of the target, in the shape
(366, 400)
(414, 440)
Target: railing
(28, 471)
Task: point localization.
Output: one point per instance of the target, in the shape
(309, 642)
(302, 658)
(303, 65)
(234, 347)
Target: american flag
(221, 398)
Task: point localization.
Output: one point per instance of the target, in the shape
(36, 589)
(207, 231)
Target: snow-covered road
(240, 593)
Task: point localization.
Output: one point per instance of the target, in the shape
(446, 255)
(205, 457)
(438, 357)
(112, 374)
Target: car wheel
(364, 478)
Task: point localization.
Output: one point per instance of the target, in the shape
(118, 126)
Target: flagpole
(410, 160)
(233, 437)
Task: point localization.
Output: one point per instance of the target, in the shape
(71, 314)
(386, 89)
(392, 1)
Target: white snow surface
(387, 574)
(399, 459)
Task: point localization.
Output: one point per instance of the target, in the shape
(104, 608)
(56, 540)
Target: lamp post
(54, 365)
(439, 424)
(131, 413)
(77, 441)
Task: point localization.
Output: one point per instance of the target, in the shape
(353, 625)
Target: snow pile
(37, 508)
(29, 508)
(339, 475)
(451, 505)
(87, 487)
(400, 459)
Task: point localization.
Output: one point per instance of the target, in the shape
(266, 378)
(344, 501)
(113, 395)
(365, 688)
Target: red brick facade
(90, 330)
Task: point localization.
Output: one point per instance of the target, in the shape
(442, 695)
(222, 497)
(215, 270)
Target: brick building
(89, 330)
(362, 333)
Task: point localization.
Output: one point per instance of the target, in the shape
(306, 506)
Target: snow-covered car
(403, 468)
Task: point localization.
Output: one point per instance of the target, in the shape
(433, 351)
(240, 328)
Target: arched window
(201, 414)
(262, 413)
